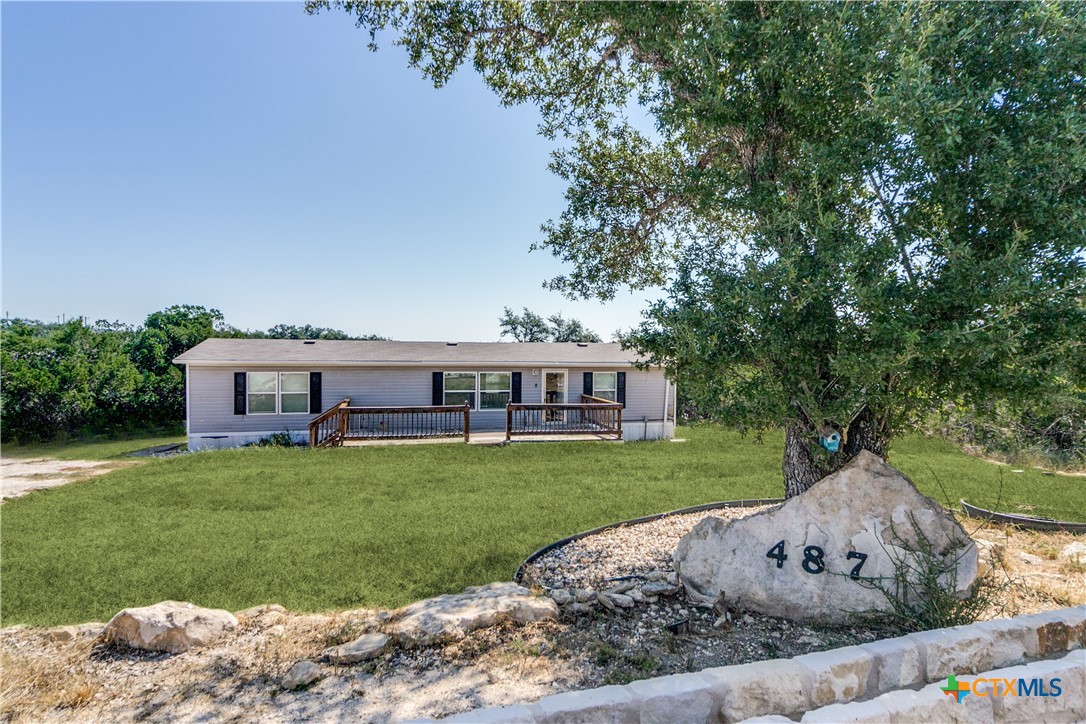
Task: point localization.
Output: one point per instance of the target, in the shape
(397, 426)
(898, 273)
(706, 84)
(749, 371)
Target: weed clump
(923, 590)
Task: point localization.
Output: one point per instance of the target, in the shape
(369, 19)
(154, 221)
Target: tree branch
(901, 247)
(541, 38)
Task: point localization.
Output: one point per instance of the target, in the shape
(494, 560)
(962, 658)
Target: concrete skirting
(895, 679)
(222, 441)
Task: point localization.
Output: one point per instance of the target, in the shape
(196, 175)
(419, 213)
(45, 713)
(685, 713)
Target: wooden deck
(591, 419)
(484, 438)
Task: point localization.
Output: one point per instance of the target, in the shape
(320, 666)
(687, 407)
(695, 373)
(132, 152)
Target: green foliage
(75, 379)
(531, 327)
(308, 331)
(236, 528)
(174, 330)
(1049, 431)
(165, 335)
(570, 330)
(276, 439)
(526, 327)
(64, 377)
(858, 208)
(922, 593)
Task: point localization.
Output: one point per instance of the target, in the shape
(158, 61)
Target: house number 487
(813, 559)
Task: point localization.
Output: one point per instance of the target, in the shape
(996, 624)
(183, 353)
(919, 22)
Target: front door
(554, 387)
(554, 392)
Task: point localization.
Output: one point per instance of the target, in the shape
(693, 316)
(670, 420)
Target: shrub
(276, 439)
(923, 591)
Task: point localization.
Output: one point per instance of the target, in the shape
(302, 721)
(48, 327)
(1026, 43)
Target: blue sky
(247, 157)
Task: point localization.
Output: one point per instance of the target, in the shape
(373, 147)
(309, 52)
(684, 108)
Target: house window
(494, 390)
(460, 388)
(605, 385)
(262, 388)
(271, 393)
(479, 390)
(293, 392)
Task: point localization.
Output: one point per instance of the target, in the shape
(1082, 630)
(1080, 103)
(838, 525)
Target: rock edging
(878, 675)
(170, 626)
(447, 618)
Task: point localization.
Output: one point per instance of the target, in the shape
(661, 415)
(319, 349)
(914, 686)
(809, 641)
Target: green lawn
(90, 449)
(327, 529)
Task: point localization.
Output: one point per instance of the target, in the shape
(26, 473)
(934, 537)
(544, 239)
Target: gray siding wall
(644, 392)
(211, 395)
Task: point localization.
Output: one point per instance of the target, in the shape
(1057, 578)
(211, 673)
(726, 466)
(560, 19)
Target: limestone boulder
(561, 596)
(365, 647)
(170, 626)
(303, 673)
(824, 555)
(451, 617)
(659, 588)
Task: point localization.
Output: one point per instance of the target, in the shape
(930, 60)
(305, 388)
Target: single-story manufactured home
(329, 392)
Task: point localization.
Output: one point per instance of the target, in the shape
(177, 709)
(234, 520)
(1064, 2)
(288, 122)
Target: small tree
(570, 330)
(860, 209)
(531, 327)
(308, 331)
(526, 327)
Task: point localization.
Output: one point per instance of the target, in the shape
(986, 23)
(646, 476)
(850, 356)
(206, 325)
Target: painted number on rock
(777, 553)
(855, 574)
(814, 559)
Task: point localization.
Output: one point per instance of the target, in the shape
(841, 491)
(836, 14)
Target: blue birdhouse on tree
(831, 440)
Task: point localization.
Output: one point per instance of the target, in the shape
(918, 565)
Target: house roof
(218, 351)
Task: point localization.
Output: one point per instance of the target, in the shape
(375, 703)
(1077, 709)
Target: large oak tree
(858, 209)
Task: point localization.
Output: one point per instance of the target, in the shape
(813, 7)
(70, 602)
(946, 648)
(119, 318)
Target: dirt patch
(25, 475)
(238, 677)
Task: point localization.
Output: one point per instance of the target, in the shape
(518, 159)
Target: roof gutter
(410, 363)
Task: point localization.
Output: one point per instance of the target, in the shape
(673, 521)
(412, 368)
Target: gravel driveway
(19, 476)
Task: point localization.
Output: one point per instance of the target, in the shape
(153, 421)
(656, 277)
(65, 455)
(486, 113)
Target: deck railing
(592, 416)
(325, 430)
(343, 422)
(407, 423)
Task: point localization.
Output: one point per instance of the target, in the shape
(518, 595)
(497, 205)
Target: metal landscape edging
(753, 502)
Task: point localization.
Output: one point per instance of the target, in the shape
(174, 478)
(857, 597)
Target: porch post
(342, 425)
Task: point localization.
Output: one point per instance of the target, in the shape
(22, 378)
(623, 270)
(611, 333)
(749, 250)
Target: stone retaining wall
(895, 678)
(931, 703)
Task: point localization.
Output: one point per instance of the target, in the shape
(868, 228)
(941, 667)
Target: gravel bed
(628, 551)
(627, 618)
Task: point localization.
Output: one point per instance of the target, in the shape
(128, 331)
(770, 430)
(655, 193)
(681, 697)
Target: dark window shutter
(439, 389)
(239, 393)
(587, 384)
(514, 394)
(315, 406)
(620, 393)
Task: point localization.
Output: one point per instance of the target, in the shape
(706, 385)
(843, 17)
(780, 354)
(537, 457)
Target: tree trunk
(866, 432)
(806, 461)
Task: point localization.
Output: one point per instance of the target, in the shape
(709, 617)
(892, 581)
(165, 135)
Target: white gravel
(630, 550)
